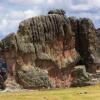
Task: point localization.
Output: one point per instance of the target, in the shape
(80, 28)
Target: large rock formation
(53, 43)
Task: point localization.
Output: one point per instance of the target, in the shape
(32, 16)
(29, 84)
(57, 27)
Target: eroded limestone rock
(54, 43)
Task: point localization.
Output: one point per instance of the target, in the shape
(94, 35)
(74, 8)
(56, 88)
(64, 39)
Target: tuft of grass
(80, 93)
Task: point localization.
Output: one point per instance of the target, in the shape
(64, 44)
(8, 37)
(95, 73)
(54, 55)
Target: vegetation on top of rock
(57, 11)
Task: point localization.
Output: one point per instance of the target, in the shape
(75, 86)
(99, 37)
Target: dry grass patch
(84, 93)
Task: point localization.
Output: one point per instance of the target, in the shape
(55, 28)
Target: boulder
(80, 76)
(33, 78)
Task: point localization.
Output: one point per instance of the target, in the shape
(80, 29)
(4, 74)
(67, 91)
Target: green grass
(84, 93)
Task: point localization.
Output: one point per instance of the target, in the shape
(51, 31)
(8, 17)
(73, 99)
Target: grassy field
(84, 93)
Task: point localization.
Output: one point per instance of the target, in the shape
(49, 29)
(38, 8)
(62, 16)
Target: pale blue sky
(14, 11)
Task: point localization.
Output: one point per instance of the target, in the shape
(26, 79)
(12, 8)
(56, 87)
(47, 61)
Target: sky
(12, 12)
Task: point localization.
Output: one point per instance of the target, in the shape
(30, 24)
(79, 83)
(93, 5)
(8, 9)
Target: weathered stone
(85, 38)
(11, 84)
(54, 43)
(98, 47)
(87, 43)
(8, 43)
(32, 78)
(80, 76)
